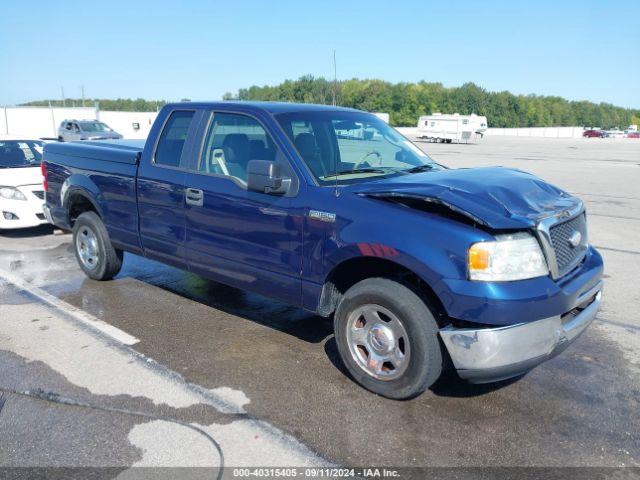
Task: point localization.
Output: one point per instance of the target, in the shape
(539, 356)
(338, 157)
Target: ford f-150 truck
(330, 209)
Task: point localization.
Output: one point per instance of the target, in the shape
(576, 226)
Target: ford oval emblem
(574, 239)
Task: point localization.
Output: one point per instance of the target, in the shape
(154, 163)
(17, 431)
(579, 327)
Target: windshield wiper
(421, 168)
(355, 170)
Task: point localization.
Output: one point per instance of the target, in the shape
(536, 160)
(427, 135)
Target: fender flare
(81, 185)
(330, 295)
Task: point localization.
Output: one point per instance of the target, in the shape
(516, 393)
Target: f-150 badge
(322, 216)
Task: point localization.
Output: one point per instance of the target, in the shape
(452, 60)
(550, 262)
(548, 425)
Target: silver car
(70, 130)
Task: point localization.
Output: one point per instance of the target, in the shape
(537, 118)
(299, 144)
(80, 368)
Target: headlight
(11, 193)
(510, 257)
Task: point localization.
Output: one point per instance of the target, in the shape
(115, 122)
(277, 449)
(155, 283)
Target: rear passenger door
(243, 238)
(161, 191)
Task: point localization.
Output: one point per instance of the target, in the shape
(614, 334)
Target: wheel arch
(357, 268)
(78, 200)
(80, 194)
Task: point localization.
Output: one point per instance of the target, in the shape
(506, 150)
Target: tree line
(405, 102)
(119, 104)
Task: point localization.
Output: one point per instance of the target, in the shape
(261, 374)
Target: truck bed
(104, 171)
(119, 151)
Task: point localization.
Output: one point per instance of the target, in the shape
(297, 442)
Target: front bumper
(22, 213)
(491, 354)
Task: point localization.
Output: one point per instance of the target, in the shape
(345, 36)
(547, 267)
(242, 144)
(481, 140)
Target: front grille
(568, 255)
(39, 194)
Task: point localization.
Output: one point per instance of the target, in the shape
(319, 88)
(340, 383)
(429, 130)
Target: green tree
(405, 102)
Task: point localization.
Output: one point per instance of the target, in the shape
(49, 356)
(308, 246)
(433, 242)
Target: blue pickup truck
(487, 270)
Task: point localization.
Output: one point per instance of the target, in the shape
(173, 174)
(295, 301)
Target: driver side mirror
(266, 177)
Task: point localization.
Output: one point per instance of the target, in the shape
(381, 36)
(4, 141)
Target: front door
(243, 238)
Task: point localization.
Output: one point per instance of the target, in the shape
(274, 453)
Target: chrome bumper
(492, 354)
(47, 213)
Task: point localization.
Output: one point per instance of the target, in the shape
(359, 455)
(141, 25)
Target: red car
(633, 135)
(593, 133)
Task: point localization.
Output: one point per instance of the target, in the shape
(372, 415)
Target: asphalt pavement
(240, 365)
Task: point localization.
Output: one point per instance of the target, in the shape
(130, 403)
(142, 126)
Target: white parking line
(79, 315)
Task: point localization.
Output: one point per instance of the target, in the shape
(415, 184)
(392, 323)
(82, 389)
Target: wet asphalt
(579, 409)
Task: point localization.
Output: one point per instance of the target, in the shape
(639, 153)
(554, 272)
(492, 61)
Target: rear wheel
(95, 254)
(388, 338)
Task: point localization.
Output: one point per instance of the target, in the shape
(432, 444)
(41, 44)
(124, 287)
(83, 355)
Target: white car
(21, 190)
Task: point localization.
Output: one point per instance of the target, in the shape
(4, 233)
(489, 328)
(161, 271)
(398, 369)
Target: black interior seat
(308, 147)
(237, 154)
(257, 150)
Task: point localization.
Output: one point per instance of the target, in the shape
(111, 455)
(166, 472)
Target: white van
(449, 128)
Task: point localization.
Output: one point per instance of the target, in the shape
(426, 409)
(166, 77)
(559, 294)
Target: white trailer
(450, 128)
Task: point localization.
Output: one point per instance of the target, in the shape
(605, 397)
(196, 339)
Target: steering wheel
(363, 159)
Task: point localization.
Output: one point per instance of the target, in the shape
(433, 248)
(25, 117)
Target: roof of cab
(271, 107)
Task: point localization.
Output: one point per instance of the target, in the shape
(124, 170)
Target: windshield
(94, 127)
(20, 153)
(351, 147)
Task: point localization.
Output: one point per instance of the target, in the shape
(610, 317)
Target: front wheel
(388, 338)
(95, 254)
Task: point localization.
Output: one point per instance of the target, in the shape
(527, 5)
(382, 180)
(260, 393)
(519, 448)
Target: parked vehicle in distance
(591, 133)
(70, 130)
(417, 263)
(633, 135)
(451, 128)
(21, 190)
(613, 134)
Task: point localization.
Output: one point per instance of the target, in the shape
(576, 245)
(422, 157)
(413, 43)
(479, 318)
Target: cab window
(232, 140)
(173, 137)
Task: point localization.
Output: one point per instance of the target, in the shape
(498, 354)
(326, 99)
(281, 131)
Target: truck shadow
(27, 232)
(139, 274)
(262, 310)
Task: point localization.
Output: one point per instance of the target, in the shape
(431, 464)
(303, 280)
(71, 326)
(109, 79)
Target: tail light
(43, 169)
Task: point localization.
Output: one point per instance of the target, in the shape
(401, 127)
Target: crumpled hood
(500, 198)
(17, 177)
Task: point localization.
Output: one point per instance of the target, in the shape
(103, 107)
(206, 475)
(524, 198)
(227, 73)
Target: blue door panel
(161, 207)
(247, 239)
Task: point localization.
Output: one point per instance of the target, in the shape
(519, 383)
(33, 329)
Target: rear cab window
(171, 143)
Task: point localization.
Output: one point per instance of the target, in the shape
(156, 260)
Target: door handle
(194, 196)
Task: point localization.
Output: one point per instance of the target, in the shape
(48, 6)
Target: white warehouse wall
(43, 121)
(122, 122)
(544, 132)
(38, 121)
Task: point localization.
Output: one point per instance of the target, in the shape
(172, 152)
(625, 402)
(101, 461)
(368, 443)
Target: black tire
(108, 260)
(425, 362)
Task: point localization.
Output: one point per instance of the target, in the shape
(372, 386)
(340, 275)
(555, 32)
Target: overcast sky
(588, 49)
